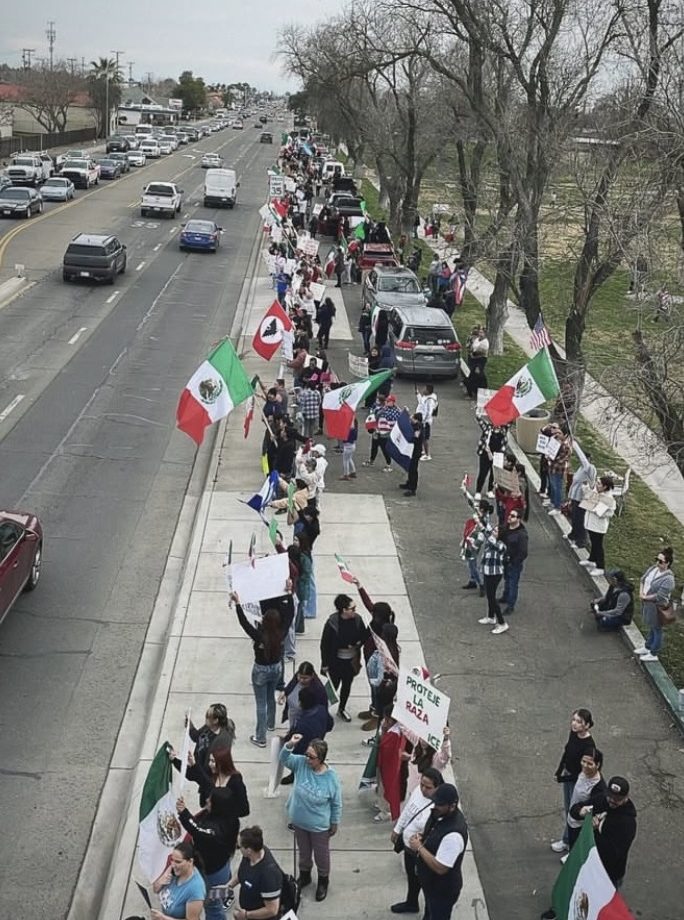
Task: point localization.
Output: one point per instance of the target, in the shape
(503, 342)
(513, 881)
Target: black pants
(413, 891)
(577, 534)
(485, 468)
(493, 609)
(379, 444)
(324, 336)
(597, 556)
(412, 478)
(543, 475)
(342, 675)
(438, 908)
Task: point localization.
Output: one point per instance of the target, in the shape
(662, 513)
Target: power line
(26, 57)
(51, 36)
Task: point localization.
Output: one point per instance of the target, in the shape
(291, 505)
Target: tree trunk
(529, 276)
(469, 181)
(496, 311)
(680, 209)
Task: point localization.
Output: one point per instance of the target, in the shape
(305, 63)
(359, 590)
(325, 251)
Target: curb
(102, 883)
(631, 635)
(10, 288)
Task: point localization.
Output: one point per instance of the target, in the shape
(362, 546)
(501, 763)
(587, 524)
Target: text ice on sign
(421, 708)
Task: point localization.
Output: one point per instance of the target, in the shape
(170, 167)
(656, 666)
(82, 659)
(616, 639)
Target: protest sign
(311, 247)
(255, 580)
(287, 345)
(276, 233)
(290, 184)
(317, 208)
(542, 443)
(483, 397)
(498, 460)
(318, 290)
(358, 365)
(291, 266)
(421, 708)
(507, 479)
(552, 448)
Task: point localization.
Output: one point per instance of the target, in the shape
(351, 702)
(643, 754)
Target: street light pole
(106, 125)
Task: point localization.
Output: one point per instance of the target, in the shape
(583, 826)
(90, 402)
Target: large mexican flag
(160, 830)
(339, 405)
(529, 388)
(583, 890)
(213, 391)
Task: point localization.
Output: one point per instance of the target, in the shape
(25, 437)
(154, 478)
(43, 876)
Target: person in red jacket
(392, 744)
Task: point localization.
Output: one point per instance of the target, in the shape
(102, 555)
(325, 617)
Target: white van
(220, 188)
(142, 130)
(331, 168)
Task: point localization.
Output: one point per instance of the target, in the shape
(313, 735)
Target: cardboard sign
(421, 708)
(507, 479)
(276, 233)
(318, 290)
(552, 448)
(287, 345)
(263, 579)
(358, 365)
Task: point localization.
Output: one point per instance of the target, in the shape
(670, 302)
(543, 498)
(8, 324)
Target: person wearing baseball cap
(439, 853)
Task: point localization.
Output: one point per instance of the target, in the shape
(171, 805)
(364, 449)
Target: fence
(44, 141)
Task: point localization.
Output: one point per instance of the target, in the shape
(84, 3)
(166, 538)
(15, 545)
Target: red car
(21, 554)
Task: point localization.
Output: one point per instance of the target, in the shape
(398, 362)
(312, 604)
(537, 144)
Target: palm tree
(105, 80)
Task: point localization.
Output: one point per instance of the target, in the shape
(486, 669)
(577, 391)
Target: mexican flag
(583, 890)
(213, 391)
(529, 388)
(344, 571)
(159, 830)
(339, 406)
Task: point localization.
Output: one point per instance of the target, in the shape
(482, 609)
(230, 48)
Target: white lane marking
(9, 408)
(139, 267)
(186, 215)
(172, 230)
(157, 247)
(77, 336)
(112, 296)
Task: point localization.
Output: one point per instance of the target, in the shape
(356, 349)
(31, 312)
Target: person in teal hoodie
(314, 809)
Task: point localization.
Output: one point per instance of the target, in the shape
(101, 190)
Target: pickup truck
(70, 155)
(82, 172)
(161, 198)
(27, 169)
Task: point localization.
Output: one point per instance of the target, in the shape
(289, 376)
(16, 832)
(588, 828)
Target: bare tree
(48, 94)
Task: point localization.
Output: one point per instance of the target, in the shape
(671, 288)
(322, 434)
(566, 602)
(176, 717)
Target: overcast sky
(224, 41)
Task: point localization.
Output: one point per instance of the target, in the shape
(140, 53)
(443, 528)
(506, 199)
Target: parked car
(266, 137)
(20, 202)
(109, 169)
(57, 189)
(122, 159)
(21, 555)
(117, 143)
(424, 342)
(95, 257)
(387, 286)
(200, 234)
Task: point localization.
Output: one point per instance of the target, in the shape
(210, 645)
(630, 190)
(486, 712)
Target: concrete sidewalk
(209, 658)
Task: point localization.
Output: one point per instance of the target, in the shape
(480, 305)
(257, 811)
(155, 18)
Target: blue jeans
(213, 910)
(556, 489)
(265, 679)
(474, 572)
(512, 574)
(654, 641)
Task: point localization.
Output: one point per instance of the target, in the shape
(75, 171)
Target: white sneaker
(553, 511)
(490, 494)
(501, 628)
(487, 621)
(586, 563)
(428, 457)
(649, 657)
(477, 496)
(596, 572)
(559, 846)
(642, 650)
(387, 469)
(564, 859)
(424, 457)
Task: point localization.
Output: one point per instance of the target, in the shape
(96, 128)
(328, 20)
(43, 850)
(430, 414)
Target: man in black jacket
(439, 853)
(615, 826)
(514, 535)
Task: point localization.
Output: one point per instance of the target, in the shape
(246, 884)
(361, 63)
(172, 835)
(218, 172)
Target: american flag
(540, 336)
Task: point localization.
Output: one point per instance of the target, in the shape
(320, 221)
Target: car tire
(173, 214)
(123, 268)
(34, 576)
(143, 212)
(28, 213)
(112, 277)
(40, 208)
(97, 180)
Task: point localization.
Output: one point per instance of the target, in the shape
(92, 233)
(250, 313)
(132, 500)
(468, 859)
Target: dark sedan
(121, 158)
(21, 554)
(110, 169)
(200, 234)
(117, 142)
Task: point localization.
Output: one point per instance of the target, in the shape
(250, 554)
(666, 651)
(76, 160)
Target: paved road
(512, 695)
(92, 449)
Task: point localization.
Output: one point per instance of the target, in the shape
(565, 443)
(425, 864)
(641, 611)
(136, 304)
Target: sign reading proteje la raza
(421, 708)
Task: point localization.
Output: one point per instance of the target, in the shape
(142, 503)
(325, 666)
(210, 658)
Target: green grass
(371, 196)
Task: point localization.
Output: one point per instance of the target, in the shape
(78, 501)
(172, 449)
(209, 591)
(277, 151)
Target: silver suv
(424, 342)
(388, 286)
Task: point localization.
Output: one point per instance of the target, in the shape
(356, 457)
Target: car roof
(92, 239)
(423, 316)
(395, 270)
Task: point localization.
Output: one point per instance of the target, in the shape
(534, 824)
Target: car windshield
(162, 190)
(76, 164)
(55, 183)
(426, 335)
(106, 162)
(16, 193)
(23, 161)
(199, 226)
(398, 285)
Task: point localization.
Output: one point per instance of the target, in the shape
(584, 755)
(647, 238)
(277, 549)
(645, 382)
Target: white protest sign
(310, 247)
(318, 290)
(276, 233)
(552, 448)
(287, 345)
(358, 365)
(317, 208)
(421, 708)
(498, 460)
(276, 186)
(290, 184)
(291, 266)
(542, 443)
(265, 578)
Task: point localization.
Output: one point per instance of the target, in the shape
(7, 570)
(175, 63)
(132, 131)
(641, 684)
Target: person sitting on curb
(616, 607)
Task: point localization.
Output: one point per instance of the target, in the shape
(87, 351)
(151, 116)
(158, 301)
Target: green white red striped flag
(534, 384)
(159, 830)
(344, 571)
(583, 890)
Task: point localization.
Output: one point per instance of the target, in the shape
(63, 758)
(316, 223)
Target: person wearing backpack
(616, 607)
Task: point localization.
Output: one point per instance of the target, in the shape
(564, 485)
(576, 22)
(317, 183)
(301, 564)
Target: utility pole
(130, 72)
(26, 57)
(118, 55)
(72, 65)
(83, 67)
(148, 82)
(51, 36)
